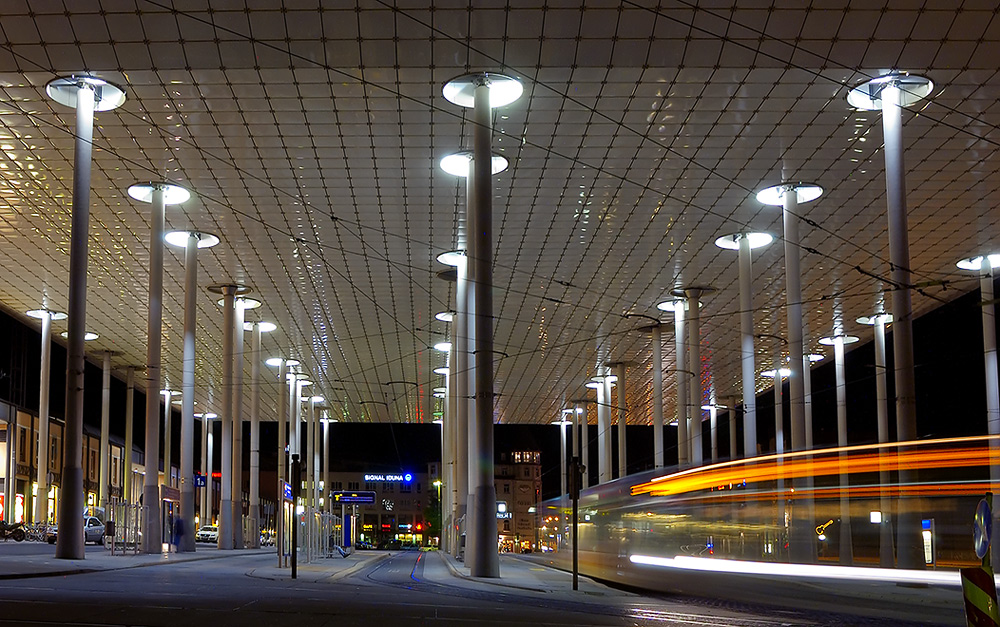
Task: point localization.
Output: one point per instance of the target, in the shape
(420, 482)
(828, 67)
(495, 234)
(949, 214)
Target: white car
(93, 531)
(208, 533)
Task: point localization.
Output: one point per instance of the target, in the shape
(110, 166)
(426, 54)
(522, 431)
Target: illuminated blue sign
(375, 478)
(286, 491)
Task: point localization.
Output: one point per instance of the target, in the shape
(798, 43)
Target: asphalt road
(407, 589)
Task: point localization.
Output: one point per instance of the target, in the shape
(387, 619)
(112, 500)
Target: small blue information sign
(199, 481)
(286, 491)
(353, 497)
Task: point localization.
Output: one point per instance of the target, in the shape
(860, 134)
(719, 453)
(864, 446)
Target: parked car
(361, 545)
(93, 531)
(208, 533)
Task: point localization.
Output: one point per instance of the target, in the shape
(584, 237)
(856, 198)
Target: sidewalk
(529, 575)
(323, 569)
(20, 566)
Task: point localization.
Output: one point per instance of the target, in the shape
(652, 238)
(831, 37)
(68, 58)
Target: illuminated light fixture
(42, 313)
(612, 379)
(87, 336)
(265, 327)
(453, 258)
(170, 392)
(274, 362)
(458, 163)
(711, 407)
(874, 319)
(461, 90)
(438, 394)
(732, 241)
(592, 385)
(206, 415)
(317, 399)
(671, 305)
(785, 372)
(814, 357)
(570, 410)
(180, 239)
(562, 422)
(172, 194)
(443, 371)
(775, 195)
(107, 96)
(440, 389)
(912, 89)
(444, 347)
(976, 263)
(831, 341)
(438, 421)
(445, 316)
(875, 517)
(241, 301)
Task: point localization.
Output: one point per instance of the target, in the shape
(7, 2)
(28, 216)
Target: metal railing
(126, 518)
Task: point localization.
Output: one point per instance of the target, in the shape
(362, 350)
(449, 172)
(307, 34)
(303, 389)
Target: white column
(204, 517)
(779, 403)
(657, 367)
(990, 348)
(282, 417)
(105, 452)
(226, 496)
(187, 390)
(253, 541)
(622, 421)
(41, 498)
(326, 462)
(747, 351)
(463, 402)
(167, 444)
(681, 384)
(694, 365)
(732, 428)
(603, 433)
(152, 532)
(807, 399)
(239, 312)
(585, 445)
(793, 301)
(713, 415)
(563, 467)
(209, 480)
(845, 549)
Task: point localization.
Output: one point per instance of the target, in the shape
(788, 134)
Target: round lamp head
(977, 263)
(43, 313)
(441, 371)
(445, 316)
(462, 89)
(785, 372)
(274, 362)
(207, 415)
(458, 164)
(265, 327)
(673, 305)
(241, 301)
(453, 258)
(912, 89)
(87, 335)
(444, 347)
(64, 90)
(874, 319)
(832, 341)
(592, 385)
(172, 194)
(180, 239)
(814, 357)
(775, 195)
(732, 242)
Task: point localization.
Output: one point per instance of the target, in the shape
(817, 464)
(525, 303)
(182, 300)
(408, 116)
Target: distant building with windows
(398, 511)
(518, 480)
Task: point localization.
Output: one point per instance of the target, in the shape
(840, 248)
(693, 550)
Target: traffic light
(419, 527)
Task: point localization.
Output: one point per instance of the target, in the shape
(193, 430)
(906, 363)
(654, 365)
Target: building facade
(518, 480)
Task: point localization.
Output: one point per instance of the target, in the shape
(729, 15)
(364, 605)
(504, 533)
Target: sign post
(576, 470)
(978, 585)
(296, 489)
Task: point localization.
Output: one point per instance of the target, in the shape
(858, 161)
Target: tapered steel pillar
(659, 459)
(282, 414)
(681, 383)
(622, 420)
(603, 430)
(239, 317)
(253, 515)
(127, 486)
(693, 295)
(745, 243)
(228, 383)
(152, 524)
(105, 450)
(845, 549)
(732, 428)
(462, 416)
(325, 492)
(41, 504)
(167, 433)
(563, 460)
(585, 444)
(889, 94)
(86, 95)
(779, 402)
(204, 517)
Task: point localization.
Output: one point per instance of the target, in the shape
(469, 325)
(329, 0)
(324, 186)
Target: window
(53, 452)
(93, 465)
(506, 488)
(353, 485)
(506, 525)
(21, 453)
(418, 488)
(405, 487)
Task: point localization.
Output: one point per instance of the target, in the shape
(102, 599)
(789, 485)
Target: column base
(226, 525)
(484, 560)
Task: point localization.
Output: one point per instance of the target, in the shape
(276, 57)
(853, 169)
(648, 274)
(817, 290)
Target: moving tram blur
(901, 511)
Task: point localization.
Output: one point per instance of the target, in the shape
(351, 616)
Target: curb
(84, 571)
(325, 578)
